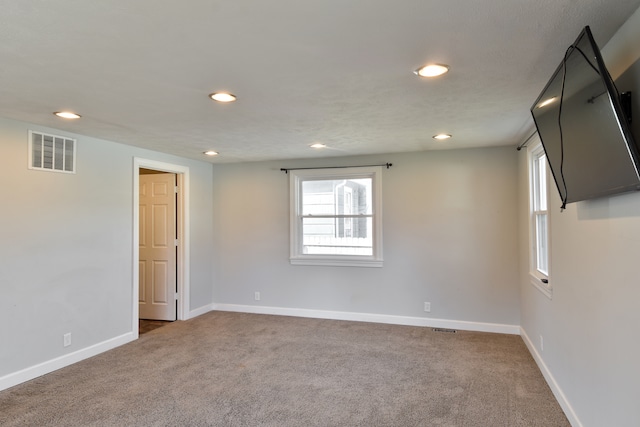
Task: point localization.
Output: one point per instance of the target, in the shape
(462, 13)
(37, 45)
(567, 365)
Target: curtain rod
(286, 170)
(524, 144)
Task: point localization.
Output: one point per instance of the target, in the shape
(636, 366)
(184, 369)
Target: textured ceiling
(332, 71)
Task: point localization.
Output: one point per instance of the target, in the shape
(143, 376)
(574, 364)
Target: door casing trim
(182, 218)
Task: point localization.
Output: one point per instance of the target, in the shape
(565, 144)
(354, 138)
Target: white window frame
(538, 278)
(297, 257)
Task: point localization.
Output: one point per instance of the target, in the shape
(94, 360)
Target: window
(336, 217)
(539, 219)
(51, 152)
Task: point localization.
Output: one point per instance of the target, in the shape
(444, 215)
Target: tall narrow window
(539, 218)
(336, 217)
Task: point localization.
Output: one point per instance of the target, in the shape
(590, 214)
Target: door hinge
(176, 296)
(176, 242)
(176, 189)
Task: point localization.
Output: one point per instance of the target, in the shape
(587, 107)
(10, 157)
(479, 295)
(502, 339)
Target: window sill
(335, 262)
(545, 288)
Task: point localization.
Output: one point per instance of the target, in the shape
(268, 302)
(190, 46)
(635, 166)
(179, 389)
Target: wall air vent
(52, 153)
(450, 331)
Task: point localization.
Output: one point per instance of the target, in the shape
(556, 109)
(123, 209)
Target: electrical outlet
(66, 339)
(427, 307)
(256, 296)
(541, 343)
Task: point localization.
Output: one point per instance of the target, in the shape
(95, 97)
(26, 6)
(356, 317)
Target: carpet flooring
(236, 369)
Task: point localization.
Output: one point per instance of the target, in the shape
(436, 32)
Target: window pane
(333, 217)
(337, 236)
(541, 244)
(337, 197)
(542, 182)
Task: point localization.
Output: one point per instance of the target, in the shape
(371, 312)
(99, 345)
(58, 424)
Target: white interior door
(157, 282)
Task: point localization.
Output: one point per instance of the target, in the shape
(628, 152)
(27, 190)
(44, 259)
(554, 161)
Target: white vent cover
(52, 153)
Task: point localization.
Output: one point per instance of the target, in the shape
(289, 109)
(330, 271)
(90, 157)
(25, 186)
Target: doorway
(158, 245)
(170, 271)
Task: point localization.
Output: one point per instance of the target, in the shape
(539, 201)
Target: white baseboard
(199, 311)
(555, 388)
(40, 369)
(374, 318)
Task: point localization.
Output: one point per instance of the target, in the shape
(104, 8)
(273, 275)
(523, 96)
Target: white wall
(450, 238)
(591, 326)
(66, 250)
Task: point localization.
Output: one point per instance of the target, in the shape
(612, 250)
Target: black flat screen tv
(583, 128)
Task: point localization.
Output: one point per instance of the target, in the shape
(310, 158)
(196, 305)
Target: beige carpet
(231, 369)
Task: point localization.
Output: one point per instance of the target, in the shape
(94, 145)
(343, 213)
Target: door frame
(182, 218)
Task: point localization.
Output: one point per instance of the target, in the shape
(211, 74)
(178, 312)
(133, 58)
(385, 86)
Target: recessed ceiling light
(317, 145)
(547, 102)
(441, 136)
(211, 153)
(222, 97)
(432, 70)
(67, 115)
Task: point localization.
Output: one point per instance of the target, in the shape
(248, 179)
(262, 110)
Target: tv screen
(583, 129)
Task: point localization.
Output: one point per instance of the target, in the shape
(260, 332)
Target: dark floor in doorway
(145, 326)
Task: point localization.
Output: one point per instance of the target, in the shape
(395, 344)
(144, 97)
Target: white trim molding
(200, 311)
(183, 216)
(373, 318)
(551, 381)
(43, 368)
